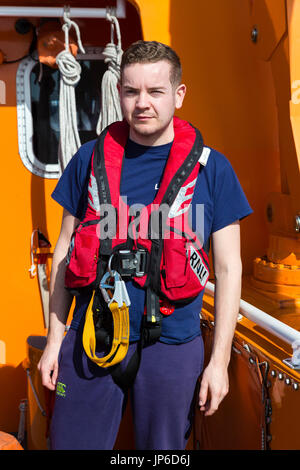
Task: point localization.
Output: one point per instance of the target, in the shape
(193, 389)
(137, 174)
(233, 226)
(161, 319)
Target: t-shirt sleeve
(230, 202)
(70, 191)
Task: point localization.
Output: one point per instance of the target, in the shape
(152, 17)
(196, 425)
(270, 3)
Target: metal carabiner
(120, 294)
(110, 271)
(104, 285)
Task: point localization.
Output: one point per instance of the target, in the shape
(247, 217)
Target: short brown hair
(153, 51)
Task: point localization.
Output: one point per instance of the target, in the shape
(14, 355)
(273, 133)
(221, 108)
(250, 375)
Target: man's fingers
(213, 388)
(212, 406)
(54, 375)
(203, 394)
(46, 380)
(214, 402)
(49, 377)
(48, 367)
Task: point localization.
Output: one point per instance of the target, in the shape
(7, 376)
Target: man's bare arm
(228, 273)
(59, 304)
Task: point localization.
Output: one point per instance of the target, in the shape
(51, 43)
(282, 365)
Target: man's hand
(48, 366)
(59, 305)
(228, 272)
(214, 387)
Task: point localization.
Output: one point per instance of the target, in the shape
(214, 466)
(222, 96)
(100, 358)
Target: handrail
(262, 319)
(54, 12)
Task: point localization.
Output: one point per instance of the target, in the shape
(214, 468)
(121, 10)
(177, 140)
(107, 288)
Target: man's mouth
(142, 118)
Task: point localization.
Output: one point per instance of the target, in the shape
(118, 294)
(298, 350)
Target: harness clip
(120, 294)
(129, 263)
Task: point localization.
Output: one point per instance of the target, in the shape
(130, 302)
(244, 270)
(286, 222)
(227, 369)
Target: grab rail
(54, 12)
(262, 319)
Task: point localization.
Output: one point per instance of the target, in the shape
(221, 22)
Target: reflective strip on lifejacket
(120, 341)
(204, 156)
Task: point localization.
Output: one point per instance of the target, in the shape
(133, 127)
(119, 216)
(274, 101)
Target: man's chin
(147, 133)
(144, 129)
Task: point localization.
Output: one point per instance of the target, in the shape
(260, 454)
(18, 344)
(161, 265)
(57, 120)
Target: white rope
(70, 71)
(110, 102)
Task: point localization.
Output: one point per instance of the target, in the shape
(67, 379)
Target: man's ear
(179, 95)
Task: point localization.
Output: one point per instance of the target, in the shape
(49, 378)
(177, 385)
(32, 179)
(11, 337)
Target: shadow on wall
(16, 376)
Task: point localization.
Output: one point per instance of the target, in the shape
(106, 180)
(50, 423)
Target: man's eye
(156, 92)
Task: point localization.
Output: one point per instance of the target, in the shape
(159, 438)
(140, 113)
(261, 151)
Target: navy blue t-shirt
(217, 202)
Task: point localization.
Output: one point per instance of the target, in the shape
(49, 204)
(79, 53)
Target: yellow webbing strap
(120, 336)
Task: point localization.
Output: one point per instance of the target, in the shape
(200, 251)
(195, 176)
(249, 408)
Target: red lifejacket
(177, 265)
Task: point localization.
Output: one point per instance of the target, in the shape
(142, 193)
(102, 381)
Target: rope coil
(110, 106)
(70, 71)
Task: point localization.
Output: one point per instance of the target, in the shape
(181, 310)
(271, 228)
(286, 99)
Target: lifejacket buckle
(120, 294)
(129, 263)
(141, 258)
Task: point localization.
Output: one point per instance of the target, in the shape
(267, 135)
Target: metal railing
(56, 12)
(264, 320)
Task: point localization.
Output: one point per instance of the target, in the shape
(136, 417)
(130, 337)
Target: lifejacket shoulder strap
(203, 162)
(100, 175)
(184, 170)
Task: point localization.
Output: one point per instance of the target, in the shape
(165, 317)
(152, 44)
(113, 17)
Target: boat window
(38, 110)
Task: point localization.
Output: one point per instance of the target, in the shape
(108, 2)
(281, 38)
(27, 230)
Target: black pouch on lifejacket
(150, 333)
(103, 322)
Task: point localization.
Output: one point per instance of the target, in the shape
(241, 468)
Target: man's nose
(142, 101)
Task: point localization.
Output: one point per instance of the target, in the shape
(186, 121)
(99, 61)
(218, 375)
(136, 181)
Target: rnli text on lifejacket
(198, 266)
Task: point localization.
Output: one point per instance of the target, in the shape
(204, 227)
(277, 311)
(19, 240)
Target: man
(88, 406)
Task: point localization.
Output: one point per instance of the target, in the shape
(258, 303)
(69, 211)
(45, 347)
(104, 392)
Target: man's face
(149, 100)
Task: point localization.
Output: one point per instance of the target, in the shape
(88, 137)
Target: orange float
(9, 442)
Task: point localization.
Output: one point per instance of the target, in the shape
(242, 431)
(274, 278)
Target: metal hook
(67, 26)
(67, 11)
(111, 272)
(120, 294)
